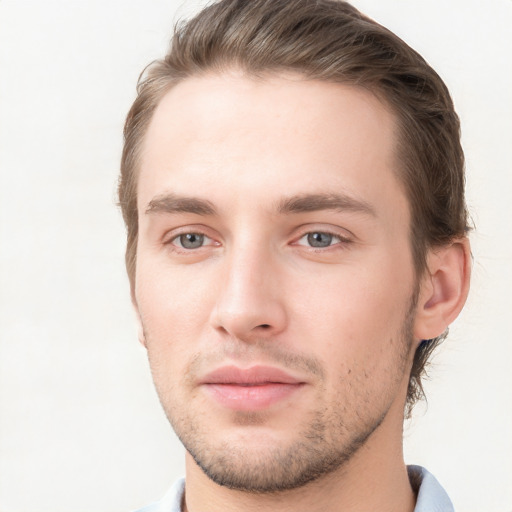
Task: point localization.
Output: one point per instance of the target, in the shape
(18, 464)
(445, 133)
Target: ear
(140, 327)
(443, 289)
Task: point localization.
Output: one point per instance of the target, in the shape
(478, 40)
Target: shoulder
(431, 495)
(171, 502)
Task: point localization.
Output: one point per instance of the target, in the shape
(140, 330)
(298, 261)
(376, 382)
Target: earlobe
(140, 328)
(444, 288)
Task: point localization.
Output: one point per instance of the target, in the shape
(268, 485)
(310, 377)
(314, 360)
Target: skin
(342, 319)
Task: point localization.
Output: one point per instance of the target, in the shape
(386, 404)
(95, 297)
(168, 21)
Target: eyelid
(205, 239)
(173, 234)
(343, 234)
(337, 240)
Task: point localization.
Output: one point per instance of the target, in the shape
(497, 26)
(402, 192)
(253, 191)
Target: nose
(250, 301)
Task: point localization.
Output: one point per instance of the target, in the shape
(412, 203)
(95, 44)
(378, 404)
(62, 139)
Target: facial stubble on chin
(327, 439)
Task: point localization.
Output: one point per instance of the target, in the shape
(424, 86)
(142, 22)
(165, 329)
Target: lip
(249, 389)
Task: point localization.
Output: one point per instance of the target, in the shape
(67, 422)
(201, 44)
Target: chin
(253, 458)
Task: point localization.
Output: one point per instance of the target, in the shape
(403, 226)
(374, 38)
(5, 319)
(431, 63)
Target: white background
(80, 426)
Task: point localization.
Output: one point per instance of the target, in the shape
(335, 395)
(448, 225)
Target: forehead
(278, 133)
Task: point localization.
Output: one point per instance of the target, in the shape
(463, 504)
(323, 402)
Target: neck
(375, 478)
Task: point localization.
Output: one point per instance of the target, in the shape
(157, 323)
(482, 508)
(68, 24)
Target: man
(292, 185)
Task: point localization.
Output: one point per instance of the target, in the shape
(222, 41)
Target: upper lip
(255, 375)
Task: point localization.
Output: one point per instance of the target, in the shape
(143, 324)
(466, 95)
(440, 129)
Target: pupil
(319, 239)
(191, 240)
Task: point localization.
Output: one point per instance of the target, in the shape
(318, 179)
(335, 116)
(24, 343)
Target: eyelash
(335, 241)
(176, 237)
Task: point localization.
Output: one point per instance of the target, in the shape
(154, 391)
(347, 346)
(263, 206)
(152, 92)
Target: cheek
(355, 316)
(172, 311)
(353, 303)
(174, 304)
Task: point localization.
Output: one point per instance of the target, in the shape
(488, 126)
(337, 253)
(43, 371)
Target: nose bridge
(248, 300)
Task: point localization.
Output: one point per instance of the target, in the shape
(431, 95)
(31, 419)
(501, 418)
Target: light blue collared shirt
(431, 496)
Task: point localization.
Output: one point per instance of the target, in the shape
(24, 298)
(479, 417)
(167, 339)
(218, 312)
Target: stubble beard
(327, 440)
(275, 468)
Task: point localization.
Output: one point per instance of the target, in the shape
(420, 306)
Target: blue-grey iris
(319, 239)
(191, 240)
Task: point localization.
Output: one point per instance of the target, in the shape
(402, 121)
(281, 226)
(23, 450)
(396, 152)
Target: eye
(190, 240)
(320, 239)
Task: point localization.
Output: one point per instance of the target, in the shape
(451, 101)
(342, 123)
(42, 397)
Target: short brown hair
(325, 40)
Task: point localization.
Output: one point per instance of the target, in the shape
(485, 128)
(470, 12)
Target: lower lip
(251, 398)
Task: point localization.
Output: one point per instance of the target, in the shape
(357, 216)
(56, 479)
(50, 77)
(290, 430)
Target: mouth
(250, 389)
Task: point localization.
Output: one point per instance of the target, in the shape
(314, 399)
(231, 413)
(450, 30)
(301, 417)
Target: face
(274, 279)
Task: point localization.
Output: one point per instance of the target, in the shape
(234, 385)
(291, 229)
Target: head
(320, 42)
(333, 42)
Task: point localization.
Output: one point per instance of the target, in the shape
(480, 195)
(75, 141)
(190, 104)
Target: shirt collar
(431, 496)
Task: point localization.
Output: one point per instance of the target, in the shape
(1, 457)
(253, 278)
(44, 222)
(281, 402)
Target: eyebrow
(301, 203)
(315, 202)
(172, 203)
